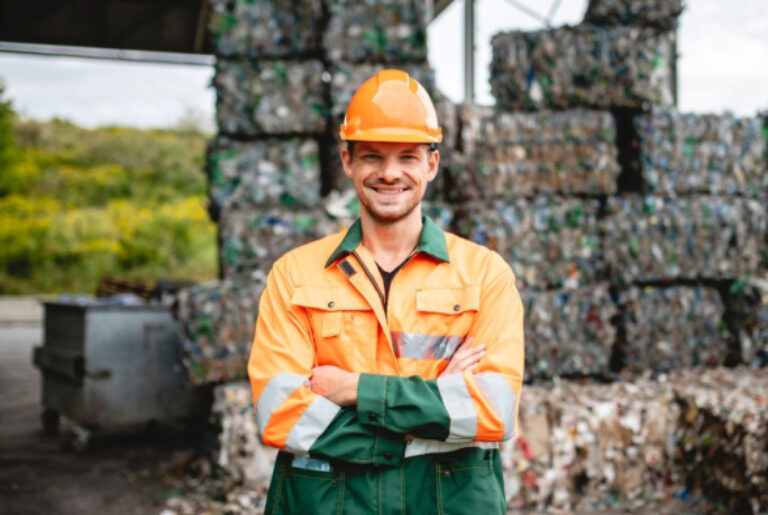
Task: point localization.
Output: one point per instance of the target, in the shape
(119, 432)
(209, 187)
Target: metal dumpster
(112, 366)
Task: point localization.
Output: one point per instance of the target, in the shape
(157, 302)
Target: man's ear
(433, 163)
(346, 160)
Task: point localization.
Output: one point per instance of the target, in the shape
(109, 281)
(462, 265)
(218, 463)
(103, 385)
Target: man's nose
(392, 170)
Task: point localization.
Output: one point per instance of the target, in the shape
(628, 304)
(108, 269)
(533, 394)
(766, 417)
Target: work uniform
(414, 443)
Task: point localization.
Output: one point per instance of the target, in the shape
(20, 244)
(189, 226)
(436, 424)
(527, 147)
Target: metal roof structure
(166, 31)
(167, 26)
(171, 26)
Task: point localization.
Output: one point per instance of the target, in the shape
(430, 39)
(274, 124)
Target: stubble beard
(384, 216)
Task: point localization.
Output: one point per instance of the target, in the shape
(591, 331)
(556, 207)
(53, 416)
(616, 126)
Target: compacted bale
(241, 454)
(387, 31)
(660, 14)
(257, 174)
(270, 97)
(651, 238)
(691, 153)
(568, 152)
(593, 447)
(671, 328)
(582, 66)
(691, 442)
(251, 240)
(723, 437)
(748, 302)
(271, 29)
(550, 242)
(217, 321)
(568, 332)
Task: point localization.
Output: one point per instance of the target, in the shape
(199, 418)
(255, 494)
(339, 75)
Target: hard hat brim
(393, 135)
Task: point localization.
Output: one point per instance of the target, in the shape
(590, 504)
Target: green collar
(431, 241)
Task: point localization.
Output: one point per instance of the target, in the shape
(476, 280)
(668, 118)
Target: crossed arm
(340, 386)
(365, 418)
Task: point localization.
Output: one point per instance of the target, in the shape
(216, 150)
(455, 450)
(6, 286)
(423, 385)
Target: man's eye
(409, 157)
(370, 157)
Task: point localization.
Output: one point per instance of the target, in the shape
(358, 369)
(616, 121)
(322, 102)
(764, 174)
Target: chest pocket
(343, 324)
(447, 311)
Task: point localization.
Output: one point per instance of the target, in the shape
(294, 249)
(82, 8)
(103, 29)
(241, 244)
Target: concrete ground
(129, 473)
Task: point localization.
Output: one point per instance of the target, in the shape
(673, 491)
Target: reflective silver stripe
(428, 346)
(419, 446)
(460, 408)
(274, 394)
(312, 423)
(497, 390)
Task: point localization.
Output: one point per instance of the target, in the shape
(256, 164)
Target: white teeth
(388, 192)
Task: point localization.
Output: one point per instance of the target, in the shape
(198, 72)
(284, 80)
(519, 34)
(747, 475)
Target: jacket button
(456, 307)
(372, 417)
(388, 455)
(331, 304)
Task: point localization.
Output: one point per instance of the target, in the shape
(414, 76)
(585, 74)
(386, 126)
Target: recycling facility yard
(637, 234)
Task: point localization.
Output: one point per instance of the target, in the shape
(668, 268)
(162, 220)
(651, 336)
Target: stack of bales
(675, 197)
(263, 168)
(550, 147)
(697, 227)
(285, 72)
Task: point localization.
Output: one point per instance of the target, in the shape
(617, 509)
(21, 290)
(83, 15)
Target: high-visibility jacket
(415, 442)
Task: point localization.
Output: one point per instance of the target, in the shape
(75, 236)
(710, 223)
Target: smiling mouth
(388, 191)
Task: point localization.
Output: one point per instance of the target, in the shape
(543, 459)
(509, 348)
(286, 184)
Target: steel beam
(469, 51)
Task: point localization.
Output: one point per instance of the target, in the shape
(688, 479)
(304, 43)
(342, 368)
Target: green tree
(7, 139)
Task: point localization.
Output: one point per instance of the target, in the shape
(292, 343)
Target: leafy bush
(76, 204)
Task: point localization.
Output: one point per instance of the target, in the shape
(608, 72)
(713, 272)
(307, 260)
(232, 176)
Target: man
(388, 360)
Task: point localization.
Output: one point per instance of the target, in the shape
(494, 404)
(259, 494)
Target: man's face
(390, 178)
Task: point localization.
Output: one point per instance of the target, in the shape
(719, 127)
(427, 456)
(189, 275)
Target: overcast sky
(723, 65)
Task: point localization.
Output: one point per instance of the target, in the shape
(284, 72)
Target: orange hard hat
(391, 106)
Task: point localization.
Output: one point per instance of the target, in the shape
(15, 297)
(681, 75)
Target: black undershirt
(388, 276)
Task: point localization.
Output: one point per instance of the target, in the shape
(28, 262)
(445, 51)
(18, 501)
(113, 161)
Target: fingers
(471, 354)
(470, 359)
(465, 357)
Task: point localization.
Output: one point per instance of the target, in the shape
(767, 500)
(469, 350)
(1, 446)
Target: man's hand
(464, 358)
(335, 384)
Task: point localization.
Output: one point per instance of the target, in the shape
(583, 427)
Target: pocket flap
(448, 301)
(329, 299)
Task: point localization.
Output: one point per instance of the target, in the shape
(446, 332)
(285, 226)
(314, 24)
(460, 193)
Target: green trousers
(467, 481)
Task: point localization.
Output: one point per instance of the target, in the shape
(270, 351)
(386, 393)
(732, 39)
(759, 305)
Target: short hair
(351, 147)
